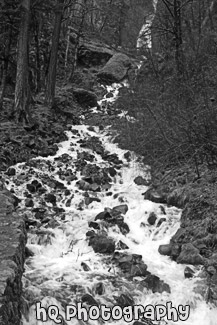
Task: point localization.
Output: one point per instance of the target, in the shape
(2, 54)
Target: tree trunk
(22, 91)
(51, 78)
(178, 37)
(5, 66)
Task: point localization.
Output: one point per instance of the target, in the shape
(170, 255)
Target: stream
(61, 196)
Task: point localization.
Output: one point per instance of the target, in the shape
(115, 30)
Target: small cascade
(145, 37)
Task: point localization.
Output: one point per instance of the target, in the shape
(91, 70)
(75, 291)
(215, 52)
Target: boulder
(178, 198)
(139, 180)
(165, 249)
(102, 244)
(92, 53)
(153, 283)
(100, 289)
(11, 171)
(119, 209)
(87, 298)
(124, 301)
(188, 272)
(154, 196)
(190, 255)
(152, 218)
(85, 98)
(116, 69)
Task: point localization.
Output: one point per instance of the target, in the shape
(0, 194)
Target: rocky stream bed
(93, 234)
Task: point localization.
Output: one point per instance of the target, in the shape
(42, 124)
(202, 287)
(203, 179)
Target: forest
(108, 157)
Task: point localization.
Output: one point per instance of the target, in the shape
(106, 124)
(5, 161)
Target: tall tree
(51, 78)
(22, 90)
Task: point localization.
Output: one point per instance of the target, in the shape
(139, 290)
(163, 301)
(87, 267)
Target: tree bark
(22, 91)
(178, 37)
(5, 66)
(51, 78)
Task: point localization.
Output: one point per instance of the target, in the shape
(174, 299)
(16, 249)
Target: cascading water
(145, 38)
(64, 267)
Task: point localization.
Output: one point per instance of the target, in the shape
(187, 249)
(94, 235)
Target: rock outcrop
(92, 53)
(116, 69)
(12, 256)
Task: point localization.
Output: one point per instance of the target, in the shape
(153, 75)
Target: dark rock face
(102, 244)
(153, 282)
(116, 69)
(165, 249)
(189, 273)
(178, 197)
(152, 218)
(12, 256)
(190, 255)
(85, 98)
(131, 265)
(139, 180)
(94, 53)
(155, 196)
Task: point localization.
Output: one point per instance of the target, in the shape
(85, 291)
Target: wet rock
(175, 251)
(87, 298)
(153, 283)
(106, 187)
(102, 244)
(28, 252)
(112, 171)
(29, 203)
(90, 233)
(139, 180)
(119, 209)
(95, 187)
(123, 226)
(50, 198)
(121, 245)
(116, 69)
(188, 272)
(85, 267)
(105, 215)
(100, 289)
(190, 255)
(89, 200)
(165, 249)
(11, 171)
(31, 188)
(94, 225)
(178, 197)
(127, 155)
(162, 209)
(124, 301)
(85, 155)
(41, 210)
(67, 193)
(83, 185)
(131, 264)
(154, 196)
(161, 221)
(85, 98)
(94, 144)
(139, 269)
(179, 235)
(34, 186)
(152, 218)
(112, 158)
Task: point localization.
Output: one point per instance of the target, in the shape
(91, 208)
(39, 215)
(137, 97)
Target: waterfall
(145, 37)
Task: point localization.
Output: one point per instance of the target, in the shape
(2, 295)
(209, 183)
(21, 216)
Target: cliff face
(12, 256)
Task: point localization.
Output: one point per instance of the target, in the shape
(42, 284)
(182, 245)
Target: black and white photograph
(108, 162)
